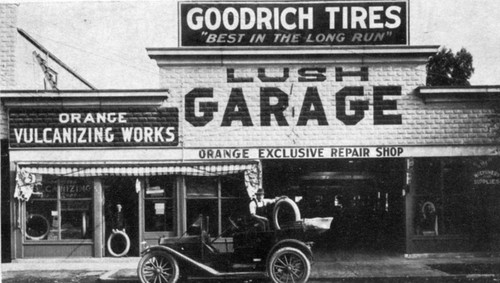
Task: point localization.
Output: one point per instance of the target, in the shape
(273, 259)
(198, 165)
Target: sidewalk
(362, 268)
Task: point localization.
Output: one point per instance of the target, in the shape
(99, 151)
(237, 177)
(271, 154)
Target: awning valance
(251, 171)
(133, 170)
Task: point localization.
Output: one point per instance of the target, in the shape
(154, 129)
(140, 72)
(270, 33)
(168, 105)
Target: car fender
(211, 272)
(305, 248)
(183, 258)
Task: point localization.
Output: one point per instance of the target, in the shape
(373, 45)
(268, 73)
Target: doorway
(121, 213)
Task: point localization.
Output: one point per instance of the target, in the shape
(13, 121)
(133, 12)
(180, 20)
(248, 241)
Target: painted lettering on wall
(93, 127)
(351, 103)
(298, 23)
(300, 152)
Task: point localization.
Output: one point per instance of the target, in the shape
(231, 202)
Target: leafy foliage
(448, 69)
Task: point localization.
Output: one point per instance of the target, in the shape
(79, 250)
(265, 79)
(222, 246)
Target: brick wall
(8, 35)
(421, 124)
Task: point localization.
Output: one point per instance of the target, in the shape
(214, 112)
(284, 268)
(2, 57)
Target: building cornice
(184, 56)
(83, 98)
(480, 93)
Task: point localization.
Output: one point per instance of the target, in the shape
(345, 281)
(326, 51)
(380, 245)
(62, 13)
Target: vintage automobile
(281, 254)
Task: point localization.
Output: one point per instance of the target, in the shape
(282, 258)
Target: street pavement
(361, 268)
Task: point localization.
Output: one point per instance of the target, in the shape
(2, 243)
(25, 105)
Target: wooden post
(98, 219)
(410, 203)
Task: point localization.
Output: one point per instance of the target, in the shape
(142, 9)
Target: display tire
(277, 207)
(289, 264)
(110, 242)
(84, 224)
(158, 267)
(44, 220)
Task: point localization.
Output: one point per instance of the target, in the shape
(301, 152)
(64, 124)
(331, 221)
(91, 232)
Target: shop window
(60, 209)
(159, 203)
(445, 195)
(217, 198)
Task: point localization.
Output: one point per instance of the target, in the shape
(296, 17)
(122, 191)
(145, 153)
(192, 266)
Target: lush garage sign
(333, 23)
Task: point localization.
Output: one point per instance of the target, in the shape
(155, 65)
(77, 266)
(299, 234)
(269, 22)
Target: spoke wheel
(289, 265)
(158, 267)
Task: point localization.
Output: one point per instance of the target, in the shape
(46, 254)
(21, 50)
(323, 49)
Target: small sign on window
(159, 208)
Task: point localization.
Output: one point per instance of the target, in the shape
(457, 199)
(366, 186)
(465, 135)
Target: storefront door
(121, 214)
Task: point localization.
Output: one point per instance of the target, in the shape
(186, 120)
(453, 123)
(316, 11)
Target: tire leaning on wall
(110, 241)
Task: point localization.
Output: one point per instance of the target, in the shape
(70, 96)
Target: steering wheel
(233, 224)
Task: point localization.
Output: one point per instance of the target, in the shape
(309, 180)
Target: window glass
(206, 207)
(456, 176)
(428, 171)
(233, 186)
(160, 187)
(202, 186)
(462, 207)
(75, 219)
(46, 190)
(234, 209)
(75, 188)
(159, 203)
(41, 220)
(60, 209)
(159, 214)
(218, 198)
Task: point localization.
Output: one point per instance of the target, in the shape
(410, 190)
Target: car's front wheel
(158, 267)
(289, 264)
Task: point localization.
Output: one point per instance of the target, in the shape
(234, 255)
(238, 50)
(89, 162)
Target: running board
(232, 275)
(208, 269)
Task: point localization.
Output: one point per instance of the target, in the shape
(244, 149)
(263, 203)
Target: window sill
(59, 242)
(438, 237)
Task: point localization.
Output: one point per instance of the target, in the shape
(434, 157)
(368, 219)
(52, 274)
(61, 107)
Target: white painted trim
(223, 61)
(353, 51)
(452, 90)
(29, 99)
(286, 56)
(78, 94)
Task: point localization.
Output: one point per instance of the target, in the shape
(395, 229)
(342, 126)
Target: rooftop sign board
(306, 23)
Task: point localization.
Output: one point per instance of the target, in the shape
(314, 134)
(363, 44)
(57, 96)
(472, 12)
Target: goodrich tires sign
(336, 23)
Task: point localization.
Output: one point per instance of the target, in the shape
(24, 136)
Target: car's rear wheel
(288, 265)
(158, 267)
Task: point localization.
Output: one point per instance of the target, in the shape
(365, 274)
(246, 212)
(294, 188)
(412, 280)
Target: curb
(110, 277)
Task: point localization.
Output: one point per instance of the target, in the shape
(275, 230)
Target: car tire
(158, 267)
(289, 264)
(110, 242)
(34, 218)
(277, 207)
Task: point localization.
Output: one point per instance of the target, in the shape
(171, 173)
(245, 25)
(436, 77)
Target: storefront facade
(347, 132)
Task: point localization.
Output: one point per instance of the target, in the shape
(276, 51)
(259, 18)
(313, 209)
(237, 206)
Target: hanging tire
(289, 264)
(114, 236)
(278, 206)
(84, 224)
(37, 227)
(158, 267)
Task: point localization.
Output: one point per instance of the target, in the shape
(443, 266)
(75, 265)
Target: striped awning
(252, 172)
(149, 170)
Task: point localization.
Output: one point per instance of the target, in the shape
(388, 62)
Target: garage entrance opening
(121, 237)
(364, 197)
